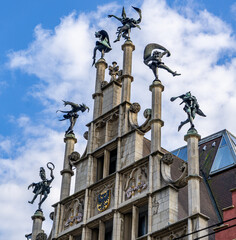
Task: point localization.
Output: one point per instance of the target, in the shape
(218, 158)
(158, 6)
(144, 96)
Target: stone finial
(114, 71)
(135, 107)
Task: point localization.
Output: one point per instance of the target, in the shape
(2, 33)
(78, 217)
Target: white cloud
(16, 174)
(233, 10)
(5, 145)
(62, 58)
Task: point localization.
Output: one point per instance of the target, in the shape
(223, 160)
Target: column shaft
(106, 164)
(67, 172)
(128, 48)
(135, 213)
(100, 65)
(156, 123)
(38, 219)
(193, 173)
(101, 235)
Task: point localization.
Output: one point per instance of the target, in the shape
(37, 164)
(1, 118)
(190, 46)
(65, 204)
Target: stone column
(38, 219)
(196, 220)
(101, 65)
(128, 48)
(67, 172)
(106, 163)
(87, 233)
(56, 220)
(156, 123)
(71, 237)
(192, 139)
(135, 216)
(118, 228)
(101, 234)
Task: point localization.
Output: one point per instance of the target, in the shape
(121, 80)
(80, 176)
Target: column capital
(157, 120)
(101, 61)
(156, 83)
(97, 95)
(67, 171)
(70, 136)
(192, 134)
(127, 44)
(38, 214)
(127, 76)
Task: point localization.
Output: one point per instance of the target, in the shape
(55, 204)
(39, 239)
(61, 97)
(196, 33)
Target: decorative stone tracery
(73, 213)
(136, 181)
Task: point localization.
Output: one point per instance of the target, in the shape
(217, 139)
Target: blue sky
(46, 56)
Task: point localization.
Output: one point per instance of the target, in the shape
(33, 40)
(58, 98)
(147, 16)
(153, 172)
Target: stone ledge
(111, 83)
(228, 208)
(220, 227)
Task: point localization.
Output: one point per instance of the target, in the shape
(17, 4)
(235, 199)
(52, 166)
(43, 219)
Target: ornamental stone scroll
(133, 114)
(166, 161)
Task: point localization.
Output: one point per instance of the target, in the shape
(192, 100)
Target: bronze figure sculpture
(72, 114)
(153, 59)
(42, 188)
(191, 107)
(103, 45)
(127, 23)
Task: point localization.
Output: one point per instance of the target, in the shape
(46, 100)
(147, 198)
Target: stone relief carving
(166, 161)
(73, 213)
(41, 236)
(112, 117)
(178, 233)
(73, 157)
(133, 114)
(155, 206)
(101, 189)
(136, 181)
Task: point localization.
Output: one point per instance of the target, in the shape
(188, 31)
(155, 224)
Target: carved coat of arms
(103, 200)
